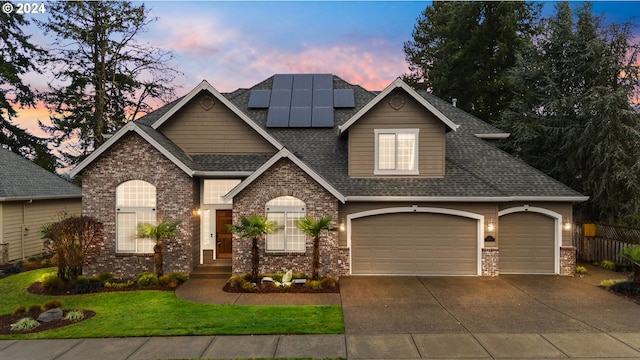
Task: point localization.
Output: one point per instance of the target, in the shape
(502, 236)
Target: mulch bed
(7, 320)
(268, 288)
(629, 290)
(36, 288)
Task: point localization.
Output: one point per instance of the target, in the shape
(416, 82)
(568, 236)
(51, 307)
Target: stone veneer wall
(285, 178)
(567, 260)
(490, 262)
(132, 158)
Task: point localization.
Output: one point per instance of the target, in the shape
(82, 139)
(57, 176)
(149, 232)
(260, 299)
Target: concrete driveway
(507, 304)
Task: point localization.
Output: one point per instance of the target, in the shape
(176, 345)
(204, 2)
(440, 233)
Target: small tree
(255, 228)
(74, 242)
(164, 230)
(314, 228)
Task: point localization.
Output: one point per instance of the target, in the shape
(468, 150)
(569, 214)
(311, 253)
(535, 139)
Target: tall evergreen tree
(463, 49)
(18, 57)
(571, 115)
(104, 77)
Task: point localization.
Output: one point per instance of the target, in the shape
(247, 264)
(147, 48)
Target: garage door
(526, 242)
(414, 244)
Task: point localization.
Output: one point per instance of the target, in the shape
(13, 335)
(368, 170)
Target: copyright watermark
(24, 8)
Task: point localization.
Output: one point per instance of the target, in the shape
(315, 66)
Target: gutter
(466, 199)
(43, 197)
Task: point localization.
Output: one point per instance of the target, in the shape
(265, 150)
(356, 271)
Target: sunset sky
(235, 44)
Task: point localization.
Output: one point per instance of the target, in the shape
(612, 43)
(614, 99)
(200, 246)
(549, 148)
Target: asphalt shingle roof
(474, 168)
(22, 179)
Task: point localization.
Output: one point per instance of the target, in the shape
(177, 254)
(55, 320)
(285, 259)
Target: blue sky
(234, 44)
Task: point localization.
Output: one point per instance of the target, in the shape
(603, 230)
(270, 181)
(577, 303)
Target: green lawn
(161, 313)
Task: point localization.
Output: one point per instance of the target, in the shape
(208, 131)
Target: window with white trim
(285, 210)
(135, 204)
(396, 151)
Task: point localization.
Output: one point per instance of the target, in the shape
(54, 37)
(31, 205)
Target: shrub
(249, 287)
(74, 315)
(85, 285)
(313, 284)
(328, 283)
(608, 265)
(31, 265)
(147, 279)
(104, 277)
(52, 304)
(581, 270)
(19, 310)
(82, 280)
(51, 282)
(34, 308)
(14, 269)
(119, 285)
(164, 280)
(237, 281)
(178, 277)
(25, 324)
(626, 287)
(607, 284)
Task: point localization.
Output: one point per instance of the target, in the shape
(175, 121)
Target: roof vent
(454, 102)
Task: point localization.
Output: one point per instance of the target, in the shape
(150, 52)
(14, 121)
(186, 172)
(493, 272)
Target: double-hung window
(396, 151)
(135, 204)
(285, 210)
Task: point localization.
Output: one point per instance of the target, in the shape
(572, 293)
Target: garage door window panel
(396, 151)
(285, 211)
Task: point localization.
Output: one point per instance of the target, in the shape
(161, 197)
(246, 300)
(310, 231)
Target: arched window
(285, 210)
(135, 204)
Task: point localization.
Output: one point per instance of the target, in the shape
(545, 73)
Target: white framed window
(135, 204)
(215, 189)
(285, 210)
(396, 151)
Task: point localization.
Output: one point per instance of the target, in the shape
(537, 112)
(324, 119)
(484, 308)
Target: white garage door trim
(394, 210)
(558, 228)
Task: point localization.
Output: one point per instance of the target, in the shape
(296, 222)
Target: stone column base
(4, 253)
(567, 260)
(490, 261)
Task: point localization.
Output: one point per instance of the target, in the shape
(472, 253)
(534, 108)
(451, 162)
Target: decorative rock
(267, 279)
(299, 281)
(50, 315)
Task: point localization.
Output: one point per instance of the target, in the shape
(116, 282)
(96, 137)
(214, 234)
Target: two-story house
(415, 185)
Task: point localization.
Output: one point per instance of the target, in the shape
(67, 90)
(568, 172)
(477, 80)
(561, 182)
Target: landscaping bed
(281, 283)
(7, 320)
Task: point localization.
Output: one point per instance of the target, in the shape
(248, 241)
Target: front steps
(219, 269)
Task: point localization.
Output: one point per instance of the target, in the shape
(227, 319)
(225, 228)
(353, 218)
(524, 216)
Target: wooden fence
(597, 242)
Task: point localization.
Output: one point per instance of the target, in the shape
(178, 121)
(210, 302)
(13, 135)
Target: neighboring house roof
(474, 169)
(21, 179)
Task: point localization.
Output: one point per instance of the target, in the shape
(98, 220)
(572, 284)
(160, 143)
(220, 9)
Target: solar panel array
(301, 100)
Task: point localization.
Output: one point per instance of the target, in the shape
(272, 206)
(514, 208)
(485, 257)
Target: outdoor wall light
(490, 226)
(341, 226)
(566, 224)
(196, 212)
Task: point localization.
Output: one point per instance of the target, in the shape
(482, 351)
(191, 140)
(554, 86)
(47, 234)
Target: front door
(223, 235)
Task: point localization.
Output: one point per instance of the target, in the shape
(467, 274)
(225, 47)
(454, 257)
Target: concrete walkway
(459, 337)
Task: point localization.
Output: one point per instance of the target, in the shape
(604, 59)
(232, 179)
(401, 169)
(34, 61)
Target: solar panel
(343, 98)
(322, 98)
(278, 117)
(301, 98)
(300, 117)
(302, 81)
(322, 81)
(259, 99)
(282, 81)
(280, 98)
(322, 117)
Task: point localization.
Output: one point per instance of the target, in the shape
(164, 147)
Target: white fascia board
(551, 198)
(222, 174)
(204, 85)
(284, 153)
(428, 198)
(130, 126)
(398, 83)
(42, 197)
(493, 136)
(466, 199)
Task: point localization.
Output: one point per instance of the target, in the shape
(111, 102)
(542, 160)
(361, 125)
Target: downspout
(23, 229)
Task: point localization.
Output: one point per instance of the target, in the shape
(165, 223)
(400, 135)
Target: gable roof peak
(399, 84)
